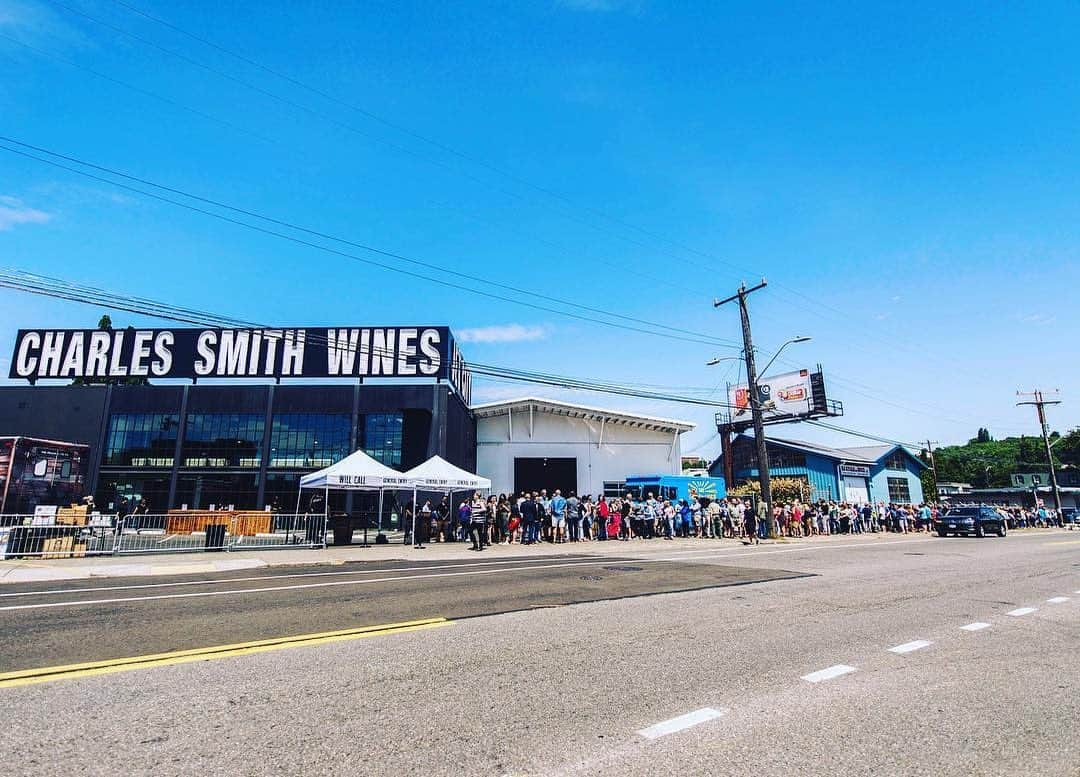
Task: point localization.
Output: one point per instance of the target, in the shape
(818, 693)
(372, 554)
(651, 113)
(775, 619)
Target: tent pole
(382, 492)
(414, 516)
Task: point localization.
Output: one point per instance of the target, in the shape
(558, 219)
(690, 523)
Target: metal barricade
(158, 533)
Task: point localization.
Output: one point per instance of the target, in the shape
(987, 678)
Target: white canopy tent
(356, 472)
(438, 474)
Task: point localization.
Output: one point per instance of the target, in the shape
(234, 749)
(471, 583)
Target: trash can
(215, 536)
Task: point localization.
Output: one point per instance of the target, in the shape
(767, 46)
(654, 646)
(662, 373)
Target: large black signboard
(375, 352)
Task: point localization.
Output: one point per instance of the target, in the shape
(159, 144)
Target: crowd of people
(536, 517)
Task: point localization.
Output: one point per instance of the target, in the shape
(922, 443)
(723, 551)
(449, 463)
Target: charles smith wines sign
(375, 352)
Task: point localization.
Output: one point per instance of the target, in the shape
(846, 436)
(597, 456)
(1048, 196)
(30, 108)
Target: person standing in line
(557, 507)
(602, 515)
(573, 518)
(751, 521)
(423, 524)
(464, 519)
(626, 509)
(588, 512)
(478, 522)
(530, 518)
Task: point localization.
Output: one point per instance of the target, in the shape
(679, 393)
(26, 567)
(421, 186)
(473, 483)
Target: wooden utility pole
(1040, 408)
(753, 398)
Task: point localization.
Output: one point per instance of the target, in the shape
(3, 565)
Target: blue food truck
(676, 487)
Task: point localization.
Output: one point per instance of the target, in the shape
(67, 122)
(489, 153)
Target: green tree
(983, 435)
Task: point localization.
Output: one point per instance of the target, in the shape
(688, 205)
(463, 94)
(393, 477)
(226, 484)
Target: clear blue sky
(910, 168)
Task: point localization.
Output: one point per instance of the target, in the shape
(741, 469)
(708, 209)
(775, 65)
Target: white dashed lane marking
(828, 674)
(682, 722)
(1058, 600)
(1021, 611)
(977, 626)
(911, 647)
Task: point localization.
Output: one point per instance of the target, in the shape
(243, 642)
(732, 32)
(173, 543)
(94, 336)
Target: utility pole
(1040, 407)
(933, 465)
(753, 398)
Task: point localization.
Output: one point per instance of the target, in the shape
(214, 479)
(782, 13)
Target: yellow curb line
(93, 668)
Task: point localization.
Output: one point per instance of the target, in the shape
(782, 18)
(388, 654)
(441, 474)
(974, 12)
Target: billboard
(779, 396)
(312, 352)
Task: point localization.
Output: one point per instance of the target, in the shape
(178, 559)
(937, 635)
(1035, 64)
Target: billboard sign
(312, 352)
(779, 396)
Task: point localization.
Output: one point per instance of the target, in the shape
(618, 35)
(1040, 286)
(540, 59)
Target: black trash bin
(215, 536)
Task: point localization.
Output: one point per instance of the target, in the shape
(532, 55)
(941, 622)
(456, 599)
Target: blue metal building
(874, 473)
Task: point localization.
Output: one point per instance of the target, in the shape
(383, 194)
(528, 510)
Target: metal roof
(569, 410)
(864, 454)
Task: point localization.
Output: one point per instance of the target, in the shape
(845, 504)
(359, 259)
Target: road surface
(848, 655)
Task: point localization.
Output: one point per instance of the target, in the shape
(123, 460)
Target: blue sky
(904, 174)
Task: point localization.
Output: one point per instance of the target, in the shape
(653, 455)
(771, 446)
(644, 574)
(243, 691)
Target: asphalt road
(845, 656)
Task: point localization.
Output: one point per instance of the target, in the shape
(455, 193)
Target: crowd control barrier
(25, 536)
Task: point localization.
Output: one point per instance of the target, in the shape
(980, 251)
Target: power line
(61, 289)
(694, 338)
(336, 122)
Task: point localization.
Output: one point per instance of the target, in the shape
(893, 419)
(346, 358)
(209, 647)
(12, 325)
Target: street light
(756, 410)
(718, 359)
(800, 339)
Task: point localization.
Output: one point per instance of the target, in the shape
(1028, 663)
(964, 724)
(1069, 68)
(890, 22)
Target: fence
(159, 533)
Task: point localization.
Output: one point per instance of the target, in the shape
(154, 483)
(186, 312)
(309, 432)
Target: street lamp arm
(779, 350)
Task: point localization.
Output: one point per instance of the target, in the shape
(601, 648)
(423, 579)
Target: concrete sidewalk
(40, 570)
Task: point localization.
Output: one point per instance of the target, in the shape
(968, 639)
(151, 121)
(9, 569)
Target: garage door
(855, 490)
(538, 474)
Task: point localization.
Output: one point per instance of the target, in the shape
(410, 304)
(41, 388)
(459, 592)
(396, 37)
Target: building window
(899, 491)
(309, 440)
(127, 490)
(782, 457)
(200, 491)
(896, 460)
(223, 440)
(382, 437)
(141, 440)
(613, 488)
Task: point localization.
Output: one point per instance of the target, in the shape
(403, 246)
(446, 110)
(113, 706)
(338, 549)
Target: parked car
(979, 521)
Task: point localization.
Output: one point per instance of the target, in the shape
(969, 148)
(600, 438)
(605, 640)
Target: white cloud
(502, 333)
(13, 212)
(1039, 319)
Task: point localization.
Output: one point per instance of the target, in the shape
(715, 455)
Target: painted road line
(911, 647)
(828, 674)
(681, 723)
(110, 666)
(977, 626)
(1021, 611)
(1057, 600)
(1064, 542)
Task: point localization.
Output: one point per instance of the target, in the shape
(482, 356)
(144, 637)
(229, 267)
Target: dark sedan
(979, 521)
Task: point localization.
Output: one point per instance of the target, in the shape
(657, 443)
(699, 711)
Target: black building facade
(241, 445)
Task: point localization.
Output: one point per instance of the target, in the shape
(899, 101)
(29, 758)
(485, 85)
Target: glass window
(223, 439)
(896, 460)
(899, 490)
(613, 488)
(200, 491)
(141, 440)
(129, 489)
(309, 440)
(382, 437)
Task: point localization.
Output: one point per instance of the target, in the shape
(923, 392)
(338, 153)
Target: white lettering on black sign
(382, 352)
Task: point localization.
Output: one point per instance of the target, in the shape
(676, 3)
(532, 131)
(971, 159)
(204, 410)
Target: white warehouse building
(532, 444)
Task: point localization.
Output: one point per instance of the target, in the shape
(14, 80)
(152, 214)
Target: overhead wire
(58, 288)
(529, 302)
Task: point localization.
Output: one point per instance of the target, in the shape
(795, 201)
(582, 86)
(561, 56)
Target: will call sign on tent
(390, 352)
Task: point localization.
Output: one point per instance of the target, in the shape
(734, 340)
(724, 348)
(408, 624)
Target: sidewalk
(40, 570)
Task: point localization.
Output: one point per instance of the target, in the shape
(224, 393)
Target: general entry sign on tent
(356, 472)
(438, 474)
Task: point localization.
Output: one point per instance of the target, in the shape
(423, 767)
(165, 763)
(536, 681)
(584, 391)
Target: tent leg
(382, 493)
(414, 516)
